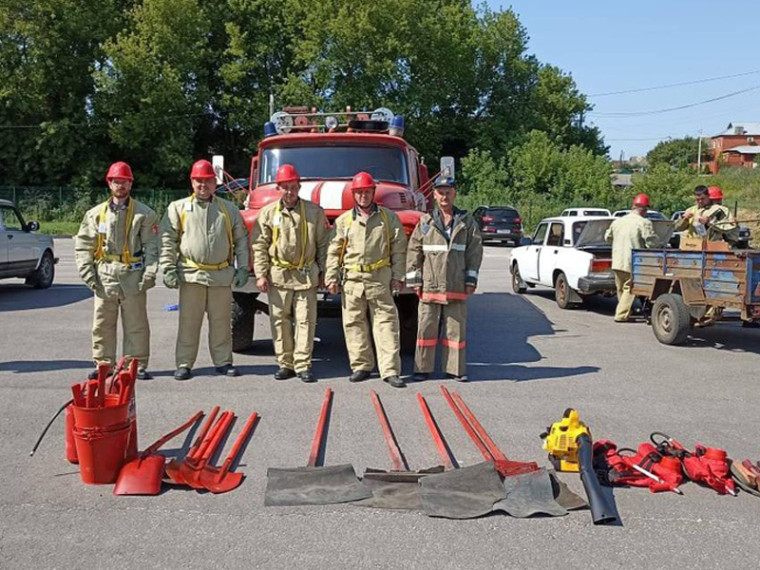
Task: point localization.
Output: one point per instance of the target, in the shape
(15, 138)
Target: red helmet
(641, 201)
(714, 193)
(119, 170)
(287, 173)
(362, 181)
(202, 169)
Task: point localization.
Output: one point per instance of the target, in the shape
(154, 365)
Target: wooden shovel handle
(237, 445)
(397, 462)
(316, 443)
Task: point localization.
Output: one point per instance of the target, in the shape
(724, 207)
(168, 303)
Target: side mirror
(526, 241)
(32, 226)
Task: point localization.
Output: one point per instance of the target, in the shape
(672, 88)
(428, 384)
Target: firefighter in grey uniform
(442, 263)
(117, 257)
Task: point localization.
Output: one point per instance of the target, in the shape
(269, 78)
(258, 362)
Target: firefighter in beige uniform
(443, 260)
(366, 257)
(706, 218)
(632, 231)
(202, 237)
(117, 257)
(289, 249)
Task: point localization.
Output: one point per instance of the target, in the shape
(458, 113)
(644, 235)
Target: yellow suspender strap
(125, 257)
(384, 262)
(230, 239)
(276, 235)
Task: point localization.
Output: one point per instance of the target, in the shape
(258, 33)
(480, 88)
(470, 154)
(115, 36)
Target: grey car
(23, 252)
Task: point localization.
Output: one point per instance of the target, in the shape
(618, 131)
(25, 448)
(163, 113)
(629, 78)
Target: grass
(59, 228)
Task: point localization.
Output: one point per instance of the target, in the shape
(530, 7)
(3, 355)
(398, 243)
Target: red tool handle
(127, 386)
(217, 440)
(316, 443)
(436, 433)
(191, 454)
(118, 368)
(92, 387)
(467, 427)
(493, 449)
(76, 389)
(155, 446)
(133, 367)
(207, 447)
(397, 461)
(103, 369)
(237, 446)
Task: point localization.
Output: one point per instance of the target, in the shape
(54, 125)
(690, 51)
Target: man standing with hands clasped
(366, 259)
(289, 249)
(442, 263)
(203, 238)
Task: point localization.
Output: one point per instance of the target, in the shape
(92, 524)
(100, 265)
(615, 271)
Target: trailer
(684, 289)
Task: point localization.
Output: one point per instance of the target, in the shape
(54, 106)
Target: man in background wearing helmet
(366, 257)
(705, 218)
(724, 225)
(632, 231)
(202, 238)
(290, 241)
(117, 257)
(442, 263)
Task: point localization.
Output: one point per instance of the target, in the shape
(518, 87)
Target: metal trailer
(683, 289)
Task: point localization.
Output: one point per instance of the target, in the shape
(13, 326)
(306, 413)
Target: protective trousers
(293, 348)
(134, 325)
(625, 297)
(194, 301)
(385, 329)
(448, 322)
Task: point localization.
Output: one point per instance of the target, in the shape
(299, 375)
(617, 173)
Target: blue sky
(614, 46)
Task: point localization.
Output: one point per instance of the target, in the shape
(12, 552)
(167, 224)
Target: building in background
(738, 145)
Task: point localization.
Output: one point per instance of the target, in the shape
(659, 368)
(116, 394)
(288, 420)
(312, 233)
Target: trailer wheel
(562, 292)
(670, 319)
(243, 316)
(517, 285)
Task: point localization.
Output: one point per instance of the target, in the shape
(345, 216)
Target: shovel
(191, 470)
(173, 467)
(222, 480)
(313, 485)
(142, 476)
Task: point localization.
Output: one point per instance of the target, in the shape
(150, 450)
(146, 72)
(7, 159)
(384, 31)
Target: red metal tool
(222, 480)
(397, 460)
(316, 444)
(483, 441)
(191, 470)
(173, 467)
(103, 369)
(440, 445)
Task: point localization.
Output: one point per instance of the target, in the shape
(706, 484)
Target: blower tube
(602, 512)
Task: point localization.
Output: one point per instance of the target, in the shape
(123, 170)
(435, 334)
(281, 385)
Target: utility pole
(699, 154)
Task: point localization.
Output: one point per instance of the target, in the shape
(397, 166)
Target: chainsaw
(568, 442)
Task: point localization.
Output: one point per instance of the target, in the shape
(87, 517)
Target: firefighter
(705, 218)
(442, 264)
(365, 260)
(289, 250)
(202, 238)
(117, 257)
(725, 226)
(632, 231)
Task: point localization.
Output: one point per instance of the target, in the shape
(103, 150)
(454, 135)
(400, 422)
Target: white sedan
(23, 252)
(568, 254)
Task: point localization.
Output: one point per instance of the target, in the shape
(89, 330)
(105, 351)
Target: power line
(669, 85)
(623, 115)
(108, 123)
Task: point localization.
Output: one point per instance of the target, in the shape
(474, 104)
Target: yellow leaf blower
(568, 442)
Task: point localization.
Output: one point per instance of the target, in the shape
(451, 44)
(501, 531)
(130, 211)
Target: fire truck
(328, 149)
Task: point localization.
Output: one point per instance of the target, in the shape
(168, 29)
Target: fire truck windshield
(336, 162)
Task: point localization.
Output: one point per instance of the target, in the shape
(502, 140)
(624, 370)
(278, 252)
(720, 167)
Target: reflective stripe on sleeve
(458, 247)
(434, 247)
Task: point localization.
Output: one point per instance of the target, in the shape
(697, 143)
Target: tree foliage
(678, 153)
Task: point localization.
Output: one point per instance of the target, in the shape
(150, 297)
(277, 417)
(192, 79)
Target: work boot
(143, 374)
(420, 376)
(395, 381)
(227, 370)
(462, 378)
(359, 376)
(307, 376)
(93, 375)
(284, 374)
(183, 373)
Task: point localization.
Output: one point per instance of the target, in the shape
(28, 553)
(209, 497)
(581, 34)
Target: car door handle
(555, 251)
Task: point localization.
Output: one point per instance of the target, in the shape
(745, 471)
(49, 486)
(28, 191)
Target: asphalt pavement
(528, 359)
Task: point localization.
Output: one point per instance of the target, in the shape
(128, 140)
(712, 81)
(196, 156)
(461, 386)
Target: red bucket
(112, 414)
(101, 452)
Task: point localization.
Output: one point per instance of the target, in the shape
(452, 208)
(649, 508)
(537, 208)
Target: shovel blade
(313, 486)
(173, 473)
(211, 480)
(141, 477)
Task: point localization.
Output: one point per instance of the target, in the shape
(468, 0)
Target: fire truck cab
(328, 149)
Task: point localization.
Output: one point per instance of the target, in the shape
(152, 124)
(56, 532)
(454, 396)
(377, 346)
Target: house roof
(744, 149)
(750, 128)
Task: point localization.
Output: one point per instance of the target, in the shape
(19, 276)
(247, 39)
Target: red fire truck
(328, 149)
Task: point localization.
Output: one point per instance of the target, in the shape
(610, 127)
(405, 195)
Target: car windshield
(337, 162)
(502, 213)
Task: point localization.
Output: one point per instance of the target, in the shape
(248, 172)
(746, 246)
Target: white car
(585, 213)
(24, 253)
(568, 254)
(650, 215)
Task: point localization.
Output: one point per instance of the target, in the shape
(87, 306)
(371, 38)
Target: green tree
(670, 190)
(678, 153)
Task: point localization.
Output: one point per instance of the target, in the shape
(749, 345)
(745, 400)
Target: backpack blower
(568, 442)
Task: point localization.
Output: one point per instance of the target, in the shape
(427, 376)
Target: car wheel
(517, 285)
(43, 276)
(562, 292)
(670, 319)
(243, 318)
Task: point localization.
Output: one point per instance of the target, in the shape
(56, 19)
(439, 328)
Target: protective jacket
(297, 256)
(117, 248)
(442, 264)
(720, 226)
(630, 232)
(202, 241)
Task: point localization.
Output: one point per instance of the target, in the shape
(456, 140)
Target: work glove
(148, 281)
(171, 279)
(241, 277)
